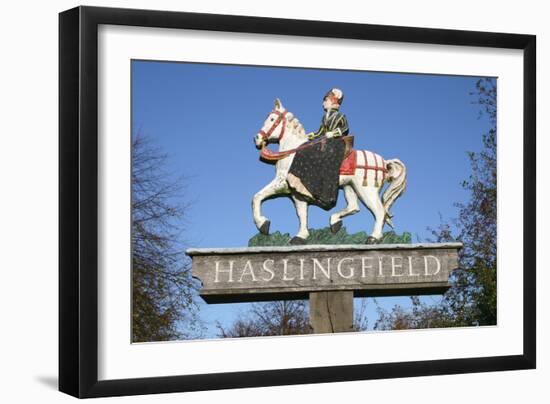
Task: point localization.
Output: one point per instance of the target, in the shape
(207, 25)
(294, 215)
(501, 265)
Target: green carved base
(325, 236)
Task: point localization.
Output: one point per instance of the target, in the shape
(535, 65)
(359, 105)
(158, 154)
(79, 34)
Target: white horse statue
(282, 127)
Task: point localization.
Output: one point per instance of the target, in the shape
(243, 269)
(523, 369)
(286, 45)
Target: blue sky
(205, 116)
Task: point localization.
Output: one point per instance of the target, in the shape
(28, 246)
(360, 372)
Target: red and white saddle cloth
(373, 165)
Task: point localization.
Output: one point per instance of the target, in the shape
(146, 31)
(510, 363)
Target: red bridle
(280, 117)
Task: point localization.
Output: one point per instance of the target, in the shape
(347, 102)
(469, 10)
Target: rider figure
(315, 170)
(333, 123)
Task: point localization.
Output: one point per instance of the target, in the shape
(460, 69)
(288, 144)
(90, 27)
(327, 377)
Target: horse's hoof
(372, 240)
(297, 241)
(335, 228)
(264, 228)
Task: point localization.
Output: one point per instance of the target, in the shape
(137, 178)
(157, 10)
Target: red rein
(271, 157)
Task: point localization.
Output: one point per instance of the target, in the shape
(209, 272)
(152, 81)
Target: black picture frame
(78, 201)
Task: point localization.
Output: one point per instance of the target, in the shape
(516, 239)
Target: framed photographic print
(251, 201)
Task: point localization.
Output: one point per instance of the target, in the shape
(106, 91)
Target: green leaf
(325, 236)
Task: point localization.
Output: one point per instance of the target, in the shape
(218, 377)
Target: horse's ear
(278, 104)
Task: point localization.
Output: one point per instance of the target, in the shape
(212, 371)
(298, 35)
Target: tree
(420, 315)
(472, 298)
(163, 292)
(360, 320)
(284, 317)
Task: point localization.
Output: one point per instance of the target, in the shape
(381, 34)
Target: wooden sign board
(292, 272)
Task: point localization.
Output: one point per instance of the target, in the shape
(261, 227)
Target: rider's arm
(320, 132)
(339, 126)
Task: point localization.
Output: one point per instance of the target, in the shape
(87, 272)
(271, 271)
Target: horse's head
(274, 126)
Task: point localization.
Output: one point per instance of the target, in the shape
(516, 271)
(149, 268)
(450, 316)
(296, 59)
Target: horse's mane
(295, 123)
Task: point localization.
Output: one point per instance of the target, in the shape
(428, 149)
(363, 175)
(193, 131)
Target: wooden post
(331, 311)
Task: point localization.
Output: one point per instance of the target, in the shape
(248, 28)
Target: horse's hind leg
(370, 196)
(301, 211)
(351, 208)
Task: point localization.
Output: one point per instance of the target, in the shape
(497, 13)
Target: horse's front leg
(301, 211)
(277, 186)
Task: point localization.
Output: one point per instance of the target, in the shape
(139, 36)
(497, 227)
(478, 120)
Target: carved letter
(316, 264)
(285, 267)
(269, 270)
(364, 266)
(351, 269)
(218, 270)
(426, 265)
(394, 266)
(248, 271)
(301, 269)
(380, 266)
(411, 273)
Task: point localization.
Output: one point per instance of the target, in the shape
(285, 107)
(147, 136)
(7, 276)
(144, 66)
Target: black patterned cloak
(315, 170)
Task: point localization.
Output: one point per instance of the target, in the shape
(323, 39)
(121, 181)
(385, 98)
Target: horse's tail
(397, 177)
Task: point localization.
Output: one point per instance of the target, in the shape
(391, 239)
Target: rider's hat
(336, 94)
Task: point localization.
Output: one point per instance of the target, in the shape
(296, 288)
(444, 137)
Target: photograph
(282, 201)
(242, 202)
(253, 201)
